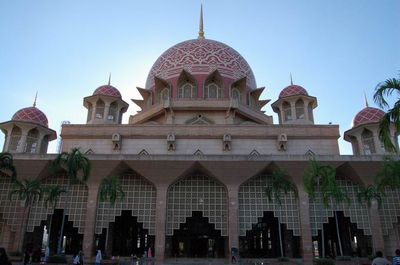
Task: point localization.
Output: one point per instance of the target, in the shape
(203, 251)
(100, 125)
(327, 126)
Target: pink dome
(31, 114)
(107, 90)
(368, 115)
(292, 90)
(201, 57)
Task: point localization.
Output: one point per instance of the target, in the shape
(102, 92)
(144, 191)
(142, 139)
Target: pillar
(22, 142)
(376, 228)
(233, 218)
(161, 213)
(305, 225)
(90, 222)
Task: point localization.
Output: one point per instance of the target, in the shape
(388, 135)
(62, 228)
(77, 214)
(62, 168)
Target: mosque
(194, 164)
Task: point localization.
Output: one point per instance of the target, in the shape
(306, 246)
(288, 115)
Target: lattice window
(197, 193)
(10, 210)
(357, 212)
(390, 210)
(253, 203)
(74, 203)
(140, 198)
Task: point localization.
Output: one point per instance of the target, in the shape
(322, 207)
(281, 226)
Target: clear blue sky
(65, 49)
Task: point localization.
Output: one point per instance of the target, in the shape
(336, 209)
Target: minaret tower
(28, 131)
(105, 106)
(294, 105)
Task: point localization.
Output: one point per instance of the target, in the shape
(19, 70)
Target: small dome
(368, 115)
(31, 114)
(293, 90)
(107, 90)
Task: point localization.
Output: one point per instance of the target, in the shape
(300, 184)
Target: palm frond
(111, 189)
(385, 89)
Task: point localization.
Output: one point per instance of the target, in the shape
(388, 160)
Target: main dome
(201, 57)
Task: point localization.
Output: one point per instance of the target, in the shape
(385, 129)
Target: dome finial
(366, 100)
(109, 79)
(34, 102)
(291, 79)
(201, 31)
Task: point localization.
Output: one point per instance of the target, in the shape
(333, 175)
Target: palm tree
(30, 192)
(388, 175)
(279, 185)
(321, 179)
(52, 195)
(111, 189)
(77, 167)
(383, 90)
(368, 194)
(7, 164)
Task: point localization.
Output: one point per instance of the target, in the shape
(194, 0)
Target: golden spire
(34, 102)
(366, 100)
(201, 31)
(109, 79)
(291, 79)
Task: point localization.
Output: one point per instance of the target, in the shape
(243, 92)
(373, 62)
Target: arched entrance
(197, 224)
(128, 227)
(268, 228)
(265, 238)
(197, 238)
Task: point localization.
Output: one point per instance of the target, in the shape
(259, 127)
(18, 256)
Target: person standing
(396, 259)
(98, 257)
(3, 257)
(380, 260)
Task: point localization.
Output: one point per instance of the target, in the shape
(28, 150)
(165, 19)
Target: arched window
(90, 111)
(32, 141)
(236, 95)
(99, 109)
(367, 139)
(163, 95)
(300, 109)
(186, 91)
(212, 90)
(112, 112)
(310, 112)
(15, 139)
(287, 111)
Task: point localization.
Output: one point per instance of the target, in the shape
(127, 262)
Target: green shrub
(343, 258)
(323, 261)
(57, 259)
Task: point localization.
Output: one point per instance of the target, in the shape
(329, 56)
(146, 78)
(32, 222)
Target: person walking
(380, 260)
(396, 259)
(98, 257)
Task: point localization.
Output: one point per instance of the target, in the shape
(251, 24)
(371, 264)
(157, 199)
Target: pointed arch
(32, 141)
(186, 86)
(16, 134)
(99, 109)
(367, 139)
(299, 109)
(287, 111)
(213, 86)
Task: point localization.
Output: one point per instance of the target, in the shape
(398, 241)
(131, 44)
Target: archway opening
(48, 232)
(127, 237)
(197, 238)
(269, 239)
(354, 242)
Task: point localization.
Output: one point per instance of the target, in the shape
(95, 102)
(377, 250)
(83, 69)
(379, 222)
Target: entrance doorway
(126, 237)
(265, 238)
(197, 238)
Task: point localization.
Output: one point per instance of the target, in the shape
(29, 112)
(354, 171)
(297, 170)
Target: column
(293, 109)
(305, 102)
(8, 140)
(90, 222)
(106, 111)
(376, 228)
(161, 213)
(305, 225)
(93, 111)
(233, 218)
